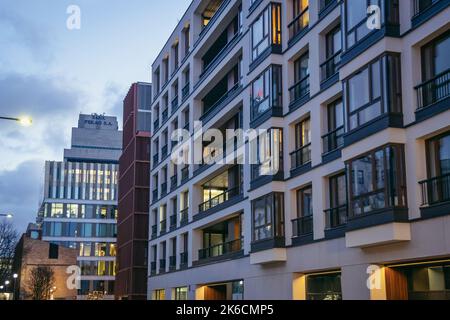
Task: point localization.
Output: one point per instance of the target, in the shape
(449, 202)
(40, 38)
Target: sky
(52, 73)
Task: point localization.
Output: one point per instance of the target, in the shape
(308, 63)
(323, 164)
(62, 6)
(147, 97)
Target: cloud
(21, 191)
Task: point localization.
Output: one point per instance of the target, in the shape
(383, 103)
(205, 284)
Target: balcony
(165, 115)
(335, 221)
(173, 221)
(435, 196)
(172, 263)
(156, 124)
(186, 126)
(164, 151)
(185, 91)
(299, 93)
(333, 140)
(184, 174)
(300, 159)
(432, 95)
(162, 265)
(184, 216)
(424, 10)
(155, 195)
(221, 250)
(325, 6)
(175, 104)
(219, 199)
(154, 231)
(153, 268)
(298, 26)
(329, 70)
(163, 189)
(209, 108)
(302, 226)
(173, 182)
(183, 260)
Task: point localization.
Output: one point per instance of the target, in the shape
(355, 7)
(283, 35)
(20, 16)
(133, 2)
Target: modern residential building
(31, 253)
(355, 103)
(79, 209)
(134, 193)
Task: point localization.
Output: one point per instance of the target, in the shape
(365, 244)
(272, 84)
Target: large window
(333, 53)
(301, 18)
(377, 180)
(325, 286)
(181, 293)
(159, 295)
(336, 215)
(266, 91)
(435, 71)
(436, 188)
(334, 139)
(268, 217)
(303, 224)
(268, 153)
(373, 91)
(356, 18)
(266, 30)
(301, 77)
(302, 153)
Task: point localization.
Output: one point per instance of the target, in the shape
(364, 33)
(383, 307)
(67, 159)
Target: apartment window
(436, 188)
(266, 30)
(176, 56)
(166, 69)
(268, 217)
(373, 91)
(334, 139)
(181, 293)
(187, 40)
(377, 180)
(303, 225)
(333, 53)
(326, 286)
(302, 153)
(435, 72)
(266, 91)
(420, 6)
(356, 18)
(268, 153)
(301, 18)
(301, 77)
(336, 215)
(159, 295)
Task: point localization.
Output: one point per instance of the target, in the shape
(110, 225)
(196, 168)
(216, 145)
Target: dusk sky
(52, 74)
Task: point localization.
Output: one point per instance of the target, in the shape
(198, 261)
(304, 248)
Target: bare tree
(41, 283)
(8, 241)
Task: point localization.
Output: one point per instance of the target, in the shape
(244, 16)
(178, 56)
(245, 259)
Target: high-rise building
(354, 98)
(79, 209)
(134, 192)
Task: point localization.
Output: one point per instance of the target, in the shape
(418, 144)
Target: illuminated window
(159, 295)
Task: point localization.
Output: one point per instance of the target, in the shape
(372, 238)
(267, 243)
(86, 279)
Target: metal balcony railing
(165, 114)
(220, 249)
(172, 262)
(300, 23)
(156, 124)
(299, 90)
(173, 182)
(173, 220)
(333, 140)
(302, 226)
(420, 6)
(164, 188)
(154, 231)
(185, 91)
(162, 265)
(435, 190)
(433, 90)
(175, 103)
(221, 198)
(336, 217)
(163, 226)
(155, 195)
(184, 173)
(301, 156)
(184, 216)
(183, 259)
(330, 66)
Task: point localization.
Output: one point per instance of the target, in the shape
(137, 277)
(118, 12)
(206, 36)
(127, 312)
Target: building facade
(355, 102)
(134, 193)
(31, 253)
(79, 209)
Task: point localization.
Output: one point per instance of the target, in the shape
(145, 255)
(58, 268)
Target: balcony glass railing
(336, 217)
(221, 198)
(165, 114)
(299, 90)
(172, 262)
(433, 90)
(220, 249)
(222, 99)
(163, 188)
(163, 226)
(175, 103)
(155, 195)
(301, 156)
(154, 231)
(435, 190)
(153, 267)
(330, 67)
(183, 259)
(164, 151)
(302, 226)
(173, 220)
(333, 140)
(162, 265)
(185, 174)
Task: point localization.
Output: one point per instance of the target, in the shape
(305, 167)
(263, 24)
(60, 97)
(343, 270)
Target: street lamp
(7, 282)
(7, 215)
(15, 276)
(24, 120)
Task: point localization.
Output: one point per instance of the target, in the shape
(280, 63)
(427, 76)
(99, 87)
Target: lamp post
(15, 276)
(6, 215)
(24, 121)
